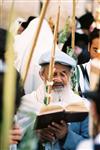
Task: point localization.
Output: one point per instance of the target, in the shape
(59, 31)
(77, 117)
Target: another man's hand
(15, 135)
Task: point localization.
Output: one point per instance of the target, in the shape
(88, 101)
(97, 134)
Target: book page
(76, 107)
(61, 106)
(51, 108)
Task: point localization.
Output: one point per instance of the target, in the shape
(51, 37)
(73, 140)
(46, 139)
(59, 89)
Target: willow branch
(43, 11)
(1, 12)
(8, 91)
(73, 25)
(51, 66)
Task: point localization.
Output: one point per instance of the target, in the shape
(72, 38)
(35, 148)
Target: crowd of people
(30, 97)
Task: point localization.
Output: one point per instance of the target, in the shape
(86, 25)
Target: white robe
(33, 102)
(88, 144)
(22, 47)
(84, 85)
(93, 76)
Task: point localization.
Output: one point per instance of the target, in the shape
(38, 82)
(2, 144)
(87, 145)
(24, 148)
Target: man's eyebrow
(64, 71)
(95, 47)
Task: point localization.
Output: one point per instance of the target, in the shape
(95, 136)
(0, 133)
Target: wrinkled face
(95, 46)
(61, 76)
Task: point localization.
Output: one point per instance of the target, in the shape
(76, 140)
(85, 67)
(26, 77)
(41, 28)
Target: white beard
(61, 94)
(65, 95)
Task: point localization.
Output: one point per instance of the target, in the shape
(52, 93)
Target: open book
(74, 112)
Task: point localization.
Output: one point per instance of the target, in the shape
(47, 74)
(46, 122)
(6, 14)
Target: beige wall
(25, 8)
(22, 8)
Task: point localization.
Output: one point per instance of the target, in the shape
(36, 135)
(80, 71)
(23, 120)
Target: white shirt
(33, 102)
(89, 144)
(86, 145)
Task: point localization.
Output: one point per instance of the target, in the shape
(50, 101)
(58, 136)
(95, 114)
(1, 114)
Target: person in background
(81, 38)
(93, 143)
(83, 71)
(85, 25)
(23, 45)
(24, 24)
(15, 133)
(81, 46)
(96, 22)
(16, 25)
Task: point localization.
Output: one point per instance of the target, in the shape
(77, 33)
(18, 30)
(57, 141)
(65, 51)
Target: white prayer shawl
(33, 102)
(94, 75)
(84, 85)
(22, 46)
(36, 99)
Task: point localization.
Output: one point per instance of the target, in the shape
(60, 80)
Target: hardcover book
(74, 112)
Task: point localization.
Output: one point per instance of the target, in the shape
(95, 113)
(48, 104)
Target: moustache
(56, 84)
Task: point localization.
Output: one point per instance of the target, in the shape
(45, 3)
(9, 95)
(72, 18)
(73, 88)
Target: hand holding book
(53, 132)
(57, 111)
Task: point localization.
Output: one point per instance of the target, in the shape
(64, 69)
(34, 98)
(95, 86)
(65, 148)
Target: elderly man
(55, 136)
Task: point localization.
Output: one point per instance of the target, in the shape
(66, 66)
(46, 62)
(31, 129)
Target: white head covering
(15, 25)
(22, 47)
(60, 57)
(24, 42)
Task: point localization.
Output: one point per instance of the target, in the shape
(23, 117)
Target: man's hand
(15, 135)
(45, 135)
(59, 130)
(53, 132)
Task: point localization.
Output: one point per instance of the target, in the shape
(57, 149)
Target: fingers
(54, 131)
(46, 135)
(63, 123)
(15, 132)
(15, 135)
(14, 139)
(55, 126)
(16, 126)
(59, 130)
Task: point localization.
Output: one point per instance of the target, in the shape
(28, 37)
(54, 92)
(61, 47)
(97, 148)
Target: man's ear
(41, 73)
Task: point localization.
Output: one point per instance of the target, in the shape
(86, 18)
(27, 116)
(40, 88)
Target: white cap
(60, 57)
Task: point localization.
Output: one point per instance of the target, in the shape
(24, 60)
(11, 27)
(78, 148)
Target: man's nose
(57, 78)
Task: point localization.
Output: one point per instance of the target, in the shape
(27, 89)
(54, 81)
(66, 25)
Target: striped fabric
(81, 75)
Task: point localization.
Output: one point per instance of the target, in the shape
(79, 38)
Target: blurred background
(26, 8)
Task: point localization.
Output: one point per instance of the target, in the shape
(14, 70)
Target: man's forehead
(60, 66)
